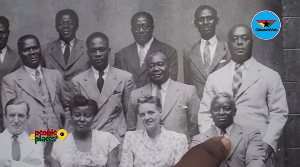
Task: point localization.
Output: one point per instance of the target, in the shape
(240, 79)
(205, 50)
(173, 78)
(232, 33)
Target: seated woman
(153, 146)
(85, 147)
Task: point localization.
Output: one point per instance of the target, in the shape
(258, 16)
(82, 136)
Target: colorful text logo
(48, 136)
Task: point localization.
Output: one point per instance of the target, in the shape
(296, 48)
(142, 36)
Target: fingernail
(226, 143)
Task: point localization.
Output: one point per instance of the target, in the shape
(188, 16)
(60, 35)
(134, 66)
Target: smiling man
(179, 101)
(208, 54)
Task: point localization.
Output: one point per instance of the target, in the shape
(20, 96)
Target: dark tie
(223, 133)
(100, 81)
(206, 57)
(38, 77)
(158, 94)
(237, 78)
(67, 52)
(16, 153)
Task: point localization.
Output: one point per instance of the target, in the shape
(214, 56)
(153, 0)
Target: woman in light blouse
(153, 146)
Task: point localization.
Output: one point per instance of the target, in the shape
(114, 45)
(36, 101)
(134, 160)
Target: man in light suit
(208, 54)
(108, 86)
(133, 57)
(16, 149)
(246, 143)
(66, 54)
(259, 94)
(180, 102)
(40, 87)
(10, 60)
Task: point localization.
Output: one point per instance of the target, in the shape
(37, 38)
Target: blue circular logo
(265, 25)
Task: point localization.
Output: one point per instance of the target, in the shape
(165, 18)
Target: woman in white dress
(153, 146)
(85, 147)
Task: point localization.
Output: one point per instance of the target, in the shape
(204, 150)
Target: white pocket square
(182, 106)
(223, 61)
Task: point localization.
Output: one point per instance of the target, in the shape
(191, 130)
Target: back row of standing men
(259, 93)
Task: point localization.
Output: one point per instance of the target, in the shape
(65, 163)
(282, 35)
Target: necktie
(100, 81)
(16, 153)
(67, 52)
(158, 94)
(38, 77)
(237, 78)
(206, 57)
(142, 55)
(223, 133)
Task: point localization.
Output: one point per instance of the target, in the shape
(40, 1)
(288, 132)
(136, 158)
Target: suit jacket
(246, 146)
(260, 101)
(53, 58)
(128, 59)
(180, 109)
(10, 64)
(112, 102)
(194, 72)
(19, 83)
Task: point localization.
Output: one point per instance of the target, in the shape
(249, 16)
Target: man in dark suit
(132, 58)
(9, 59)
(208, 54)
(108, 86)
(66, 54)
(246, 143)
(179, 101)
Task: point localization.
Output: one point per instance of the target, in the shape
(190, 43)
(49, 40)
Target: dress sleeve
(127, 154)
(55, 153)
(181, 148)
(112, 141)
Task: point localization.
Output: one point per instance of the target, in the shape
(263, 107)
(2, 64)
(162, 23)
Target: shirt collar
(21, 136)
(104, 71)
(160, 141)
(147, 45)
(228, 130)
(212, 40)
(4, 50)
(32, 71)
(247, 63)
(63, 44)
(164, 86)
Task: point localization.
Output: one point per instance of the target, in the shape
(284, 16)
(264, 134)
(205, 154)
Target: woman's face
(150, 115)
(82, 118)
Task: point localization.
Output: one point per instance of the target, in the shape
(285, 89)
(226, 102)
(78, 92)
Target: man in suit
(40, 87)
(108, 86)
(180, 102)
(66, 54)
(9, 59)
(258, 91)
(132, 58)
(246, 143)
(16, 149)
(208, 54)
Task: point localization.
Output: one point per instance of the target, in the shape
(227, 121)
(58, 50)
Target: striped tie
(237, 78)
(38, 77)
(206, 57)
(16, 152)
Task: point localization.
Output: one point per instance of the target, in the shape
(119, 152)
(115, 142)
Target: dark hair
(145, 14)
(202, 7)
(236, 26)
(80, 101)
(154, 54)
(4, 21)
(67, 12)
(16, 101)
(223, 95)
(149, 99)
(97, 35)
(25, 37)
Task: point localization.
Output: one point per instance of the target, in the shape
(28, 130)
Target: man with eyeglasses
(108, 86)
(133, 57)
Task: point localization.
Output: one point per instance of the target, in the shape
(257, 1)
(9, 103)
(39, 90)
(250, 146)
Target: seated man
(246, 143)
(16, 149)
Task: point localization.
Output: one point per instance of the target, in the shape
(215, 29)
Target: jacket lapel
(210, 133)
(89, 85)
(57, 54)
(196, 59)
(8, 61)
(224, 82)
(76, 52)
(132, 58)
(235, 138)
(50, 83)
(173, 93)
(219, 55)
(155, 46)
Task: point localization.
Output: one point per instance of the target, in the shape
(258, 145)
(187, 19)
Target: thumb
(208, 154)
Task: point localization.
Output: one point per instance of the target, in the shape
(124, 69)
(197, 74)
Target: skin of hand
(208, 154)
(268, 149)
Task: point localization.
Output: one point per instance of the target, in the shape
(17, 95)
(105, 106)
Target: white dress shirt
(228, 130)
(63, 45)
(145, 49)
(32, 72)
(3, 53)
(246, 64)
(29, 150)
(96, 73)
(164, 88)
(212, 47)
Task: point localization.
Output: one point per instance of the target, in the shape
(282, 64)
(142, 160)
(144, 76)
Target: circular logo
(265, 25)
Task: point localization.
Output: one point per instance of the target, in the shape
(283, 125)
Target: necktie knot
(238, 65)
(101, 73)
(223, 132)
(15, 137)
(207, 42)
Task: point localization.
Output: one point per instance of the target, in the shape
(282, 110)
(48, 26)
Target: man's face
(142, 30)
(66, 27)
(206, 23)
(98, 51)
(16, 117)
(240, 44)
(30, 53)
(158, 69)
(149, 115)
(222, 112)
(82, 118)
(4, 33)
